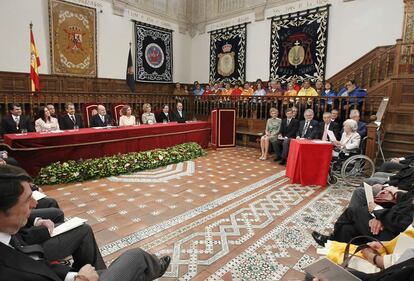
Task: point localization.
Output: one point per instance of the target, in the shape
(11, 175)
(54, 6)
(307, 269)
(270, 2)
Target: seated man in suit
(308, 129)
(397, 164)
(373, 220)
(328, 125)
(362, 126)
(70, 119)
(180, 115)
(101, 119)
(29, 254)
(46, 208)
(164, 115)
(288, 130)
(15, 122)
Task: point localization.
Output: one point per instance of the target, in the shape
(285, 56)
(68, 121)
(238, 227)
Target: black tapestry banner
(228, 54)
(153, 53)
(298, 45)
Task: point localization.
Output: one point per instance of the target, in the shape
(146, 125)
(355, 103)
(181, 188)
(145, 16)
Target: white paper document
(37, 195)
(320, 141)
(368, 193)
(331, 136)
(404, 242)
(68, 225)
(326, 270)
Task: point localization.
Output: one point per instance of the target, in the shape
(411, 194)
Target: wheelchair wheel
(356, 168)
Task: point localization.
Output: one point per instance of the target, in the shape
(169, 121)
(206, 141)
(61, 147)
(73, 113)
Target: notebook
(326, 270)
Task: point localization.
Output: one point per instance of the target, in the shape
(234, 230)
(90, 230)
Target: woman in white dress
(127, 119)
(148, 117)
(45, 122)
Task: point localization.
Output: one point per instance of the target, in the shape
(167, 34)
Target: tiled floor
(225, 216)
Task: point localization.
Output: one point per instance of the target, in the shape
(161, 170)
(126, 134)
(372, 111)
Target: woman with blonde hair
(127, 119)
(271, 132)
(148, 117)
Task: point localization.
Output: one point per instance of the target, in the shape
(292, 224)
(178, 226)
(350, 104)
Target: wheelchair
(351, 167)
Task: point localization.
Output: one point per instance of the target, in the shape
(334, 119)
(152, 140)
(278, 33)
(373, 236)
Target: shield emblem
(296, 55)
(226, 64)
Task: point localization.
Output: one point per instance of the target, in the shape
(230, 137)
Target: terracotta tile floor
(224, 216)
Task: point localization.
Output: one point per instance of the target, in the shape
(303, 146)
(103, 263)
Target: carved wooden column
(407, 50)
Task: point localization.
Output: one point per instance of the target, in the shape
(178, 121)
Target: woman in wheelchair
(350, 141)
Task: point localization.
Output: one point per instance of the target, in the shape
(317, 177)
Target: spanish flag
(34, 64)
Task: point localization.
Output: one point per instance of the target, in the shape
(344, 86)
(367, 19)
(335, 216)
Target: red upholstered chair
(87, 113)
(116, 108)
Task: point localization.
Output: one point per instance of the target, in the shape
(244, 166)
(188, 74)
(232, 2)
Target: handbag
(352, 261)
(385, 198)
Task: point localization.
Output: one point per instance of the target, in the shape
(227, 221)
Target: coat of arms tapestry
(298, 45)
(228, 54)
(153, 53)
(72, 39)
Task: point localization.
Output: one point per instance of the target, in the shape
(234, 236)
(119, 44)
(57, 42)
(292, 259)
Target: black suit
(161, 117)
(9, 126)
(333, 126)
(96, 121)
(180, 119)
(66, 123)
(311, 132)
(288, 131)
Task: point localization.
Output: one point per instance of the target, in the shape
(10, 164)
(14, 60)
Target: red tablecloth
(308, 162)
(36, 150)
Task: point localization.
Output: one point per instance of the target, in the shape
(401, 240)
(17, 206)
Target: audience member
(288, 130)
(127, 119)
(237, 89)
(178, 90)
(227, 91)
(20, 262)
(5, 159)
(70, 119)
(328, 93)
(179, 115)
(396, 164)
(319, 87)
(294, 82)
(307, 90)
(164, 115)
(362, 126)
(271, 132)
(198, 90)
(355, 93)
(148, 117)
(51, 109)
(403, 179)
(15, 122)
(275, 89)
(101, 119)
(294, 112)
(328, 125)
(45, 122)
(334, 116)
(247, 90)
(308, 128)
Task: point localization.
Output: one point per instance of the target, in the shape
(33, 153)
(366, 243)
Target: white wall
(113, 36)
(355, 28)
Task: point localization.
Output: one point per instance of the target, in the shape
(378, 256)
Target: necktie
(103, 119)
(288, 122)
(305, 128)
(325, 133)
(73, 119)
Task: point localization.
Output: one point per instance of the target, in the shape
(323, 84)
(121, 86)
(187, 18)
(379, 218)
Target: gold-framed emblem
(226, 64)
(296, 54)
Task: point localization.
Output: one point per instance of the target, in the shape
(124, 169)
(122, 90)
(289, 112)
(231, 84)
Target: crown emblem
(227, 48)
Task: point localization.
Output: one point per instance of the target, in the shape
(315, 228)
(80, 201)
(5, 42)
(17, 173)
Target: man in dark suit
(164, 115)
(28, 254)
(69, 120)
(15, 122)
(308, 129)
(287, 131)
(101, 119)
(362, 126)
(328, 125)
(180, 115)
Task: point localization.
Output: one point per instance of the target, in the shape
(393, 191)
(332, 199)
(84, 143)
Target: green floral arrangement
(89, 169)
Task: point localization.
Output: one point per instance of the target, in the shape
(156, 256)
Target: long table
(36, 150)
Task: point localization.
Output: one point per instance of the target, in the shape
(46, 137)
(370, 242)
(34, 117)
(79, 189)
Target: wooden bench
(246, 135)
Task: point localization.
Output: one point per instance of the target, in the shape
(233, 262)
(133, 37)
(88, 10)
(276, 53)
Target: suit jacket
(312, 131)
(362, 129)
(16, 266)
(161, 117)
(408, 160)
(65, 123)
(333, 126)
(178, 118)
(97, 122)
(291, 130)
(9, 125)
(404, 179)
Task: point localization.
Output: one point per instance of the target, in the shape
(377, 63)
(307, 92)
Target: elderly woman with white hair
(350, 139)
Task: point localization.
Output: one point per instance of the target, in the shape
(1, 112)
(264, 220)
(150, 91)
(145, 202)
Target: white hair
(352, 124)
(308, 111)
(354, 112)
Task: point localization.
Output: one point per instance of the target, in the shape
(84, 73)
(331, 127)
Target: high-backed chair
(116, 108)
(87, 113)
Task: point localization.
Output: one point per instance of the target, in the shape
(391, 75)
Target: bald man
(101, 119)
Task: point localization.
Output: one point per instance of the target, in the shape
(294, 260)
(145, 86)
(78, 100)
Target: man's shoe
(164, 263)
(320, 238)
(282, 162)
